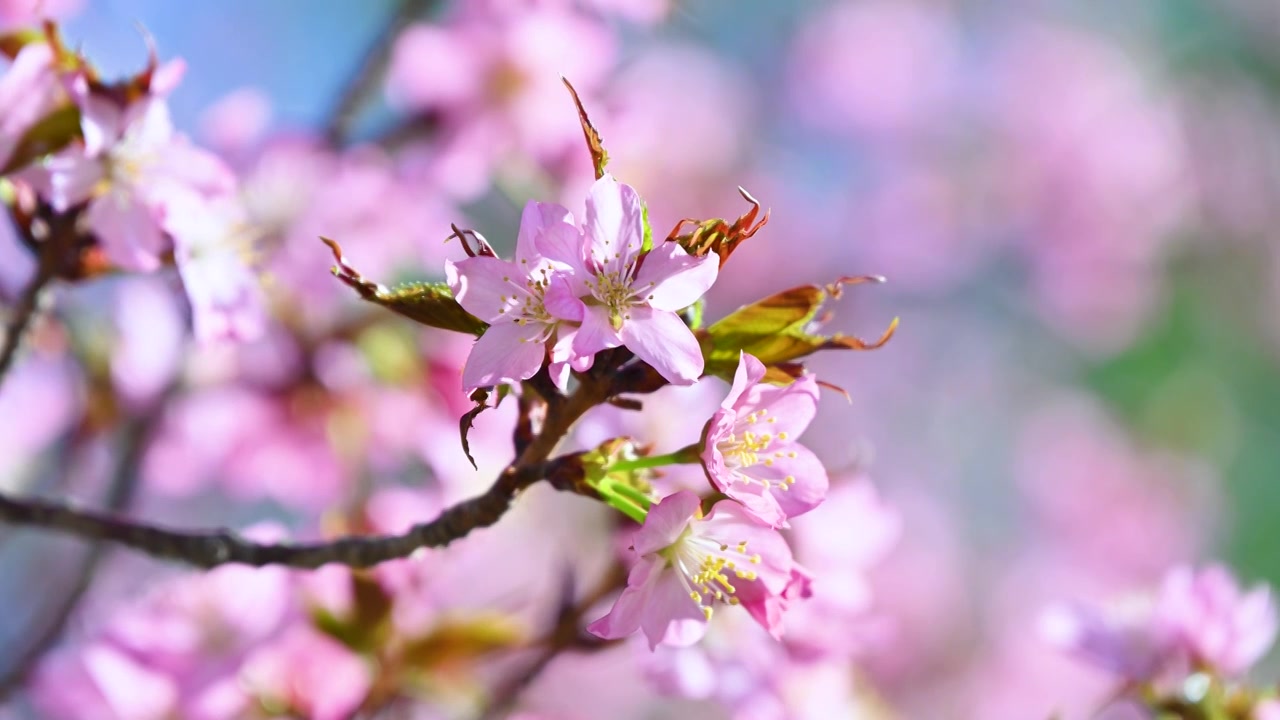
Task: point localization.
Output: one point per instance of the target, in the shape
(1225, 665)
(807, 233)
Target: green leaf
(52, 133)
(368, 625)
(428, 303)
(778, 330)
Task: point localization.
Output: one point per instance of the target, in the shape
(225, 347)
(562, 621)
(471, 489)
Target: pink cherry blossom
(688, 564)
(631, 296)
(1216, 622)
(749, 448)
(513, 297)
(129, 164)
(213, 242)
(1116, 637)
(307, 674)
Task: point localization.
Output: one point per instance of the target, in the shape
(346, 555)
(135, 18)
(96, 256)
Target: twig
(371, 69)
(565, 635)
(120, 492)
(22, 314)
(218, 547)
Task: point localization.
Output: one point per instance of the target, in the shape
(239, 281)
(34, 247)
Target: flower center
(747, 447)
(707, 568)
(529, 303)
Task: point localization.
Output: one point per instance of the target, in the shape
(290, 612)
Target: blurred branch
(565, 635)
(370, 71)
(120, 492)
(218, 547)
(24, 311)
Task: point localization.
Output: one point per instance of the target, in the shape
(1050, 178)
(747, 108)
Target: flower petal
(791, 407)
(614, 224)
(596, 333)
(127, 230)
(666, 521)
(661, 339)
(671, 616)
(535, 220)
(678, 279)
(624, 617)
(486, 287)
(750, 371)
(799, 462)
(506, 352)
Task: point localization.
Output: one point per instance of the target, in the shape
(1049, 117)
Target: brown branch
(219, 547)
(120, 493)
(565, 635)
(23, 313)
(370, 71)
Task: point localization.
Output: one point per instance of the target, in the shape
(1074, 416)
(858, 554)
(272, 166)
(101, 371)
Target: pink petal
(671, 617)
(489, 288)
(127, 230)
(624, 618)
(678, 278)
(661, 339)
(793, 405)
(614, 224)
(67, 179)
(196, 168)
(560, 300)
(596, 333)
(810, 487)
(536, 219)
(666, 521)
(506, 352)
(101, 122)
(750, 371)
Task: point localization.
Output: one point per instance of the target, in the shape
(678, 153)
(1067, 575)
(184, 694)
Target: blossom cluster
(148, 195)
(703, 541)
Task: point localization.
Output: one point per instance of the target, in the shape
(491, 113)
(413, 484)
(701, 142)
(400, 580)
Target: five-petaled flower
(516, 298)
(689, 563)
(750, 450)
(630, 296)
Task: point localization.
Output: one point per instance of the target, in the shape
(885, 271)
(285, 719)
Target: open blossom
(750, 450)
(688, 564)
(130, 161)
(213, 244)
(513, 297)
(631, 297)
(1214, 621)
(1197, 619)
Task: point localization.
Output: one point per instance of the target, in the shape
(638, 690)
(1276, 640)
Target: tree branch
(120, 492)
(22, 314)
(219, 547)
(371, 69)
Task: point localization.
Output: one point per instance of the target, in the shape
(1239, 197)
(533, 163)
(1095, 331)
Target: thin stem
(120, 492)
(683, 456)
(22, 314)
(218, 547)
(369, 73)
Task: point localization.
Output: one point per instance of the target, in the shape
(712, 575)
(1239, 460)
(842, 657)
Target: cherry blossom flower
(1213, 620)
(1197, 619)
(688, 564)
(631, 296)
(513, 297)
(213, 240)
(749, 448)
(129, 164)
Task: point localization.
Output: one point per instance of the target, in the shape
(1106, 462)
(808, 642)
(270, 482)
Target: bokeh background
(1076, 205)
